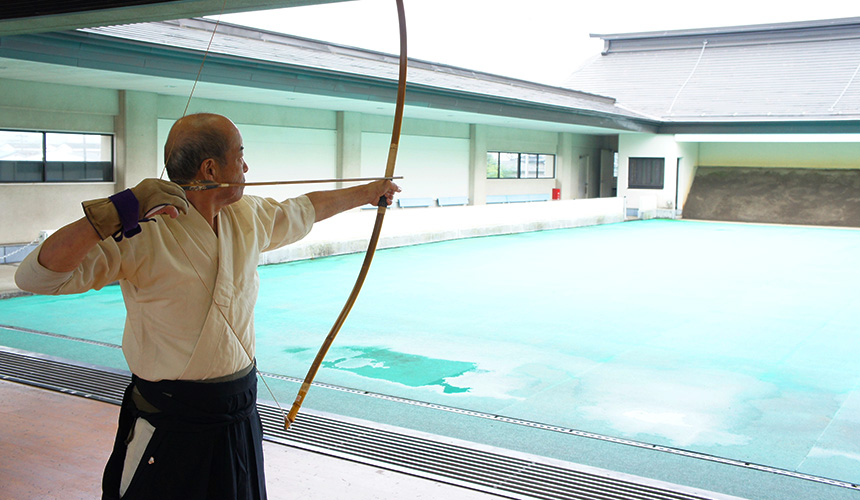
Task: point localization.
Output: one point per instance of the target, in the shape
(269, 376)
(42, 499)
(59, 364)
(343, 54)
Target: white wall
(431, 166)
(782, 154)
(281, 153)
(25, 209)
(681, 161)
(575, 154)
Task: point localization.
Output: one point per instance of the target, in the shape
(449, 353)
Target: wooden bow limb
(377, 227)
(206, 185)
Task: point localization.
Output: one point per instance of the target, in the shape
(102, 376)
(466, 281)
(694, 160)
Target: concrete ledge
(349, 232)
(495, 199)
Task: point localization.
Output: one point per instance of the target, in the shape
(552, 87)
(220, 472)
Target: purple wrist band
(128, 209)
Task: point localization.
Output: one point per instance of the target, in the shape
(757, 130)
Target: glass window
(546, 166)
(55, 157)
(520, 165)
(509, 165)
(77, 147)
(492, 165)
(645, 173)
(20, 146)
(529, 166)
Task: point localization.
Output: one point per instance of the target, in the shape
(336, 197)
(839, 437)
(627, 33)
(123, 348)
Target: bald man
(186, 262)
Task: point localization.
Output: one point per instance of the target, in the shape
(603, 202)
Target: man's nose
(245, 167)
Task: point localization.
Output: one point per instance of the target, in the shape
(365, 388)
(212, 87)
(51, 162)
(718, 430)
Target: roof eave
(844, 126)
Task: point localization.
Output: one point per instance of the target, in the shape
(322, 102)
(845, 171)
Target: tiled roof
(778, 72)
(255, 45)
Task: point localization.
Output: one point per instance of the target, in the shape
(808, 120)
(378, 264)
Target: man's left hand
(382, 188)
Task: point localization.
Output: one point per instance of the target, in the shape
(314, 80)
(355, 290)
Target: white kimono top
(189, 294)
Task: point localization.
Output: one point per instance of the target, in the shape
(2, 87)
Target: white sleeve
(102, 266)
(36, 278)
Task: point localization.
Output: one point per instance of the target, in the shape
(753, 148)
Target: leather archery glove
(121, 214)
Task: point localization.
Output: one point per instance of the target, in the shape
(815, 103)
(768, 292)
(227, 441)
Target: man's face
(234, 167)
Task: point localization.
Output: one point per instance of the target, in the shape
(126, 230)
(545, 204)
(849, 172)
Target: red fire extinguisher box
(556, 193)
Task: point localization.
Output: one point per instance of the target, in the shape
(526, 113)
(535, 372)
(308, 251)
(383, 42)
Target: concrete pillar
(478, 164)
(348, 144)
(566, 167)
(136, 138)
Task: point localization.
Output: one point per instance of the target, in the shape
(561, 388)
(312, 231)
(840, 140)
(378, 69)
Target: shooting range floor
(732, 341)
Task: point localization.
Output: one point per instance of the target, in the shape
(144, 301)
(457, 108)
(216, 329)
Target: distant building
(780, 96)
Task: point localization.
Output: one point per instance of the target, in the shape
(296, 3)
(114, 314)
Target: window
(502, 165)
(55, 157)
(645, 173)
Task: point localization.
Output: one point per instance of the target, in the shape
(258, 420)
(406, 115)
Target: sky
(537, 40)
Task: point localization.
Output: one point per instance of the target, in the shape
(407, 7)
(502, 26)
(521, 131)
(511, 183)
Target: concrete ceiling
(29, 17)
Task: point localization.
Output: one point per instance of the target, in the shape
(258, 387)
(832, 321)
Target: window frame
(44, 171)
(646, 172)
(522, 157)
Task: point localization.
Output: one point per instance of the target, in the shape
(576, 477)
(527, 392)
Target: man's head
(206, 146)
(192, 140)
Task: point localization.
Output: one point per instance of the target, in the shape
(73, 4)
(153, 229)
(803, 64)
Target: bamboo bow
(374, 238)
(377, 227)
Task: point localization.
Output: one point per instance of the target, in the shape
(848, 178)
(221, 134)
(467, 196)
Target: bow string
(374, 235)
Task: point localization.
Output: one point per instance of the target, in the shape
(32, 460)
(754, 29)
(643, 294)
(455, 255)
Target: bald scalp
(192, 140)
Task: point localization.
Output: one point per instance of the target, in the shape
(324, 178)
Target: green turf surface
(737, 341)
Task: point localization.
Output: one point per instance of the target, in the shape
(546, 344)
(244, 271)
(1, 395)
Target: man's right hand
(122, 212)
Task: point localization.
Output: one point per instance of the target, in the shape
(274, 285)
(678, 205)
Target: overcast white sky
(537, 40)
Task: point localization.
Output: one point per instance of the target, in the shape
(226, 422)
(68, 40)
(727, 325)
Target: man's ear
(209, 169)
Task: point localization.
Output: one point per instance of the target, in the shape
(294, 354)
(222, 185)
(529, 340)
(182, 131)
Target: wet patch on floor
(402, 368)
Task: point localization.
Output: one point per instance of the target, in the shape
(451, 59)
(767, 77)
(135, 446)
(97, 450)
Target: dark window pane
(7, 171)
(99, 171)
(645, 173)
(21, 171)
(54, 171)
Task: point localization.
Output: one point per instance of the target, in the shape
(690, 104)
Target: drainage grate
(507, 475)
(487, 471)
(272, 430)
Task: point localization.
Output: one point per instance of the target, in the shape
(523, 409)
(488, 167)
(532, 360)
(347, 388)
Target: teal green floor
(737, 341)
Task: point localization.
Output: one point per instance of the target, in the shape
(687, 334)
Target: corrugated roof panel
(778, 81)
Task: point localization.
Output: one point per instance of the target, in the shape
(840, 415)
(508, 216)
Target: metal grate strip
(491, 470)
